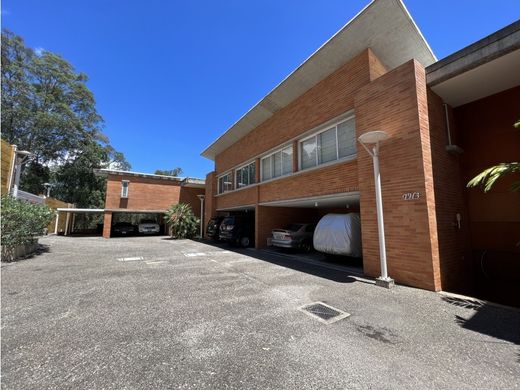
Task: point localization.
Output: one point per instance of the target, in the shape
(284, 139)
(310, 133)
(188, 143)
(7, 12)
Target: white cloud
(39, 51)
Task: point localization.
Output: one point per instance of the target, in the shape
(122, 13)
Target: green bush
(22, 222)
(182, 221)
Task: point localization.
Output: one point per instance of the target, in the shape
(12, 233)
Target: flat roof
(189, 181)
(481, 69)
(384, 26)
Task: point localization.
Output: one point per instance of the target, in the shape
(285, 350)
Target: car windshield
(123, 224)
(228, 221)
(294, 227)
(147, 221)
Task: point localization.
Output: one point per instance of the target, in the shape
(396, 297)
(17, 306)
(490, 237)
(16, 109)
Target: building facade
(136, 193)
(295, 157)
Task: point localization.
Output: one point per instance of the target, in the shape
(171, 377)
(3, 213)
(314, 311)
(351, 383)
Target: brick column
(107, 224)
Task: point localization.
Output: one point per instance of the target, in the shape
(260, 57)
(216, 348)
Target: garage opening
(238, 226)
(137, 224)
(297, 218)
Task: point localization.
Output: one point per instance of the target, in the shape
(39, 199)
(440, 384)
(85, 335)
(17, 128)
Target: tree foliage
(48, 109)
(169, 172)
(21, 222)
(489, 176)
(182, 221)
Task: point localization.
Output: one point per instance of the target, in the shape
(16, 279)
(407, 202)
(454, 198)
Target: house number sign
(411, 195)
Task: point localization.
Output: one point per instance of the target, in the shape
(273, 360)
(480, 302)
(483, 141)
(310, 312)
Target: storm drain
(323, 312)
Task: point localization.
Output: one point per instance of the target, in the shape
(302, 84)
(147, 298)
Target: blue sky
(170, 76)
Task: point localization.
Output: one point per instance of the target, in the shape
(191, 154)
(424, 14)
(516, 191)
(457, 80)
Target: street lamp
(370, 142)
(48, 187)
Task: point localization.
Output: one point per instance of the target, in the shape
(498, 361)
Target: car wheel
(244, 242)
(306, 246)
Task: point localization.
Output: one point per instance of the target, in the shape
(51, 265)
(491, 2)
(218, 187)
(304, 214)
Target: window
(124, 188)
(334, 143)
(225, 183)
(277, 164)
(245, 175)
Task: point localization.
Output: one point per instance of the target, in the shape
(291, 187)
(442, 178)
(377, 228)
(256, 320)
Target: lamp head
(373, 137)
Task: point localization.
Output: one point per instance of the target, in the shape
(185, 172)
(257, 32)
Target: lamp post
(201, 197)
(370, 142)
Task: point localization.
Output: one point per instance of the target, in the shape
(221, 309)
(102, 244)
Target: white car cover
(339, 234)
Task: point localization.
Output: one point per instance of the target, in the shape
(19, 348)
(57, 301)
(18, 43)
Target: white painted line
(195, 254)
(137, 258)
(155, 262)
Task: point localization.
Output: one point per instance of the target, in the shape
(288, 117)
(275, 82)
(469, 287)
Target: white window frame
(280, 150)
(124, 194)
(230, 173)
(242, 167)
(315, 136)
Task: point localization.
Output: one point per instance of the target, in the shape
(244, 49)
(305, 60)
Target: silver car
(296, 235)
(148, 226)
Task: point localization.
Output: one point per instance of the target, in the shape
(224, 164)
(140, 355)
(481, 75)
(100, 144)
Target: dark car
(296, 235)
(238, 230)
(123, 229)
(212, 231)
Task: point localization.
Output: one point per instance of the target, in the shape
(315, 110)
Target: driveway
(155, 313)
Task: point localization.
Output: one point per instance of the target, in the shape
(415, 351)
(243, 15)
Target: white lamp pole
(373, 138)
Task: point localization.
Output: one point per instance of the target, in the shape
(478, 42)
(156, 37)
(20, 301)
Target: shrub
(182, 221)
(22, 222)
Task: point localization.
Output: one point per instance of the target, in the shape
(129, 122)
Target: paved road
(188, 315)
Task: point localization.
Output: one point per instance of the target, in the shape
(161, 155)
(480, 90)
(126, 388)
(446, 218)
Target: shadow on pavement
(322, 271)
(501, 323)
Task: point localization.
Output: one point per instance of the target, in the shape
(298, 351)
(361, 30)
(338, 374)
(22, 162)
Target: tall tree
(169, 172)
(48, 109)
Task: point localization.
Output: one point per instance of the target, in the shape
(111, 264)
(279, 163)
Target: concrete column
(107, 224)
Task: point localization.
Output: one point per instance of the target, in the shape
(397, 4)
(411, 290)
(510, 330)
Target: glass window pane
(308, 153)
(240, 178)
(252, 173)
(228, 184)
(287, 161)
(277, 164)
(347, 138)
(266, 168)
(327, 143)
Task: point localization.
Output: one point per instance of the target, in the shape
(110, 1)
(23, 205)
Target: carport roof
(384, 26)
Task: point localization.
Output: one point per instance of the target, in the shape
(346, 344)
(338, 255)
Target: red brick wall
(488, 138)
(143, 193)
(209, 201)
(341, 177)
(396, 103)
(455, 259)
(245, 197)
(189, 195)
(329, 98)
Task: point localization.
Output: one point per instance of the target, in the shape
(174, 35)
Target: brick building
(133, 193)
(294, 156)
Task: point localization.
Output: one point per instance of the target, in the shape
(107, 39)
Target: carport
(278, 214)
(135, 216)
(71, 214)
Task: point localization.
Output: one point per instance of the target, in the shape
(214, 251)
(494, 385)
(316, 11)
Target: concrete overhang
(385, 26)
(484, 68)
(345, 199)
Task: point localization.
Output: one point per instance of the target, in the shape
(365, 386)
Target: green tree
(48, 109)
(489, 176)
(182, 221)
(169, 172)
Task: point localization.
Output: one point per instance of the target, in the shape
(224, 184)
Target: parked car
(296, 235)
(123, 229)
(237, 229)
(339, 234)
(212, 230)
(148, 226)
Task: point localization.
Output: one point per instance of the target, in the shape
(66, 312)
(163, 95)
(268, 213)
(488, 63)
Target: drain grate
(323, 312)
